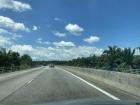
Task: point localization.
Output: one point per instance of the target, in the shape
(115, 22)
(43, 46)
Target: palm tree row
(111, 59)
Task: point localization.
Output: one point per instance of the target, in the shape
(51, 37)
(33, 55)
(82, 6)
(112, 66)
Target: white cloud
(137, 52)
(13, 35)
(3, 31)
(14, 5)
(57, 19)
(59, 34)
(40, 41)
(64, 44)
(35, 28)
(57, 53)
(74, 29)
(6, 22)
(22, 48)
(92, 39)
(84, 51)
(4, 41)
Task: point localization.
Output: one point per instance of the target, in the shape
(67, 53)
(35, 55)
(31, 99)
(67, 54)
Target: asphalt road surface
(47, 85)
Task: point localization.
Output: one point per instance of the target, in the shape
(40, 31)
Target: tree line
(114, 58)
(13, 59)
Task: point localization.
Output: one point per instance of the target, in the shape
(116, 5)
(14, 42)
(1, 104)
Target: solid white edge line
(99, 89)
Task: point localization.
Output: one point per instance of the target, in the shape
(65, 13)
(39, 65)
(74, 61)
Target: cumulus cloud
(40, 41)
(14, 5)
(59, 34)
(92, 39)
(4, 41)
(8, 23)
(35, 28)
(63, 44)
(74, 29)
(57, 53)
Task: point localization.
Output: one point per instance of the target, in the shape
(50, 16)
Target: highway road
(47, 85)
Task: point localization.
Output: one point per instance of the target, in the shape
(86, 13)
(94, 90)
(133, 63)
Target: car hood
(91, 102)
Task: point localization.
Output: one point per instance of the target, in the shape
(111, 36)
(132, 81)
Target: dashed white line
(99, 89)
(30, 81)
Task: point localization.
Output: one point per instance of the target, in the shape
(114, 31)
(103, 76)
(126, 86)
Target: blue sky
(66, 29)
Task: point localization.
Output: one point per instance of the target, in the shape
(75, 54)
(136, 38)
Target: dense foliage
(13, 59)
(114, 58)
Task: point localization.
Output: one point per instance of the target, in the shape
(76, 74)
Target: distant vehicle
(51, 65)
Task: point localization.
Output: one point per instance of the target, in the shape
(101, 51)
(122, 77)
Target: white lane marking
(30, 81)
(33, 78)
(99, 89)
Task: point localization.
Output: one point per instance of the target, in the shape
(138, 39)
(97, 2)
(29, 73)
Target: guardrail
(9, 69)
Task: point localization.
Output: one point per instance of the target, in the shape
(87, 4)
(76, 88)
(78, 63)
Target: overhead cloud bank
(8, 27)
(56, 53)
(14, 5)
(74, 29)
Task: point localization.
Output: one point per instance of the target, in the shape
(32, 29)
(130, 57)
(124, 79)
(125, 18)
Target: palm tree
(128, 56)
(3, 57)
(113, 55)
(14, 58)
(9, 58)
(3, 51)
